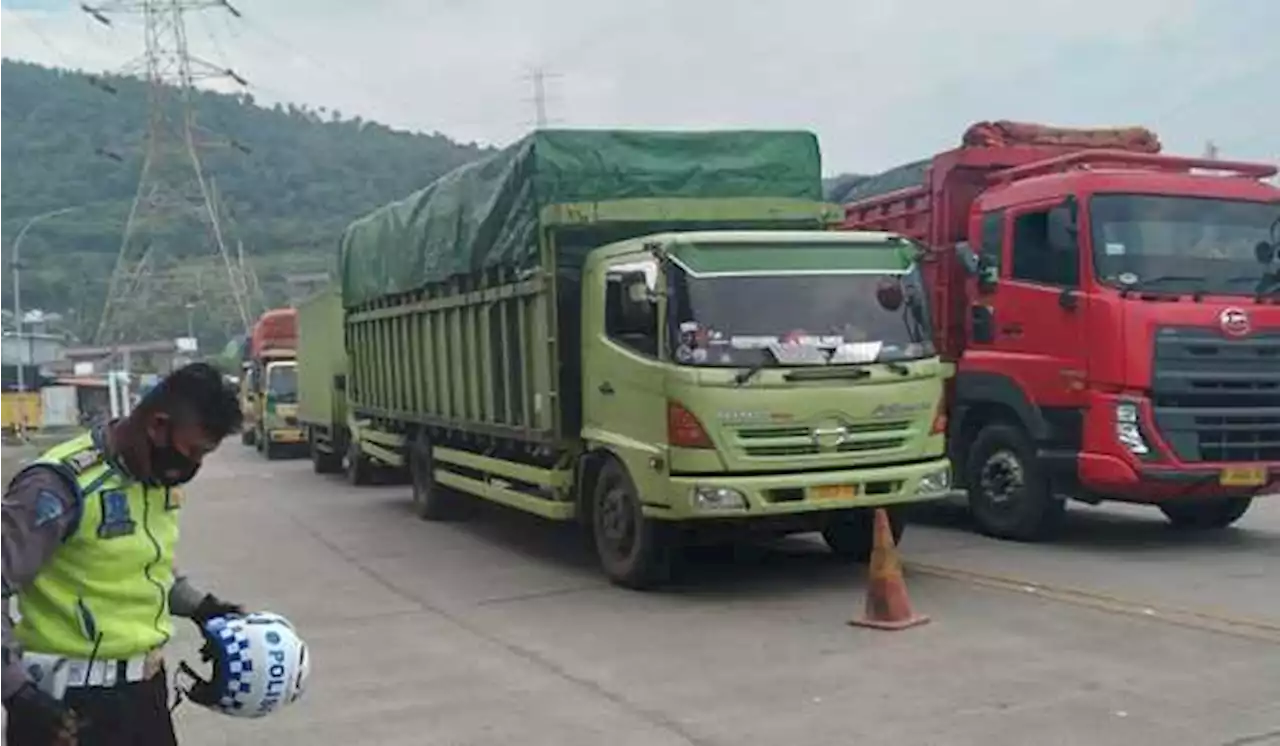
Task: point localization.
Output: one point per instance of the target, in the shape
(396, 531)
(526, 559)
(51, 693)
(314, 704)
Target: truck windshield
(1182, 244)
(745, 319)
(282, 383)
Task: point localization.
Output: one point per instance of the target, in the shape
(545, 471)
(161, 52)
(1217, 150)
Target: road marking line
(1248, 628)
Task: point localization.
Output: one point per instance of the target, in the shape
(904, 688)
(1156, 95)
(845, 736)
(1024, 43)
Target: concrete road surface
(499, 630)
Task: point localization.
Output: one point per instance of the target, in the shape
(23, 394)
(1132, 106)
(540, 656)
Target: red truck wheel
(1009, 496)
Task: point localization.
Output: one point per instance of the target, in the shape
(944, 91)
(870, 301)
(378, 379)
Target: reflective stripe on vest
(105, 592)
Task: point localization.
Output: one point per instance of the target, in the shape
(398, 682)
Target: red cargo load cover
(1004, 133)
(275, 329)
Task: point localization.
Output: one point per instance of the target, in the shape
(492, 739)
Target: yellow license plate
(834, 492)
(286, 436)
(1243, 476)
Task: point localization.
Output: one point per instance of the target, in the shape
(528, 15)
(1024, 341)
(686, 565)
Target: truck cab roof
(774, 252)
(1129, 181)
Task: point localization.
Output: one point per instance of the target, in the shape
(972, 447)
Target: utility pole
(16, 268)
(1210, 150)
(173, 188)
(539, 77)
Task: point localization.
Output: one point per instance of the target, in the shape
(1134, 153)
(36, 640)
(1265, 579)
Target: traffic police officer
(89, 536)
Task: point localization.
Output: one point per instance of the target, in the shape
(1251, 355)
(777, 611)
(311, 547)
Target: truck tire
(851, 534)
(322, 462)
(359, 470)
(1009, 495)
(634, 551)
(1206, 514)
(247, 437)
(431, 501)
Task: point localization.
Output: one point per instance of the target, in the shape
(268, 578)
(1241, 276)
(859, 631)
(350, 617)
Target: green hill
(305, 175)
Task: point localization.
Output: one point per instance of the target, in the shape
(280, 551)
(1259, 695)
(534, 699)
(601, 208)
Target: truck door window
(992, 238)
(1044, 250)
(630, 313)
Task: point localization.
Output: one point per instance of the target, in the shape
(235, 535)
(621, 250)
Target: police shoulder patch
(49, 507)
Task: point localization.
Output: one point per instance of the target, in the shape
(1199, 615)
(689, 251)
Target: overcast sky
(880, 82)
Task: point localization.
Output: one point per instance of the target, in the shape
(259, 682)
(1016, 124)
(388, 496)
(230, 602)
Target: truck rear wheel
(431, 501)
(359, 469)
(851, 534)
(322, 462)
(635, 552)
(1206, 514)
(1009, 495)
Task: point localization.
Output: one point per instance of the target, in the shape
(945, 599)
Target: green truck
(647, 332)
(322, 367)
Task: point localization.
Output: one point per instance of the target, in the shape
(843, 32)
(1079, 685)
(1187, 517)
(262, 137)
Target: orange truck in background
(269, 384)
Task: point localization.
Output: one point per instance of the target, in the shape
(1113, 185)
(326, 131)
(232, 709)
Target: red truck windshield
(735, 320)
(1182, 244)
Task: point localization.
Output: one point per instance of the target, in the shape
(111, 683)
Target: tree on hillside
(291, 178)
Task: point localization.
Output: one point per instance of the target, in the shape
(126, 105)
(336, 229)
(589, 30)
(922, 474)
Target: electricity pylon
(143, 300)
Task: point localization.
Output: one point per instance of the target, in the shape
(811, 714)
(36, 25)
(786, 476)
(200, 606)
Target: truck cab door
(623, 378)
(1041, 314)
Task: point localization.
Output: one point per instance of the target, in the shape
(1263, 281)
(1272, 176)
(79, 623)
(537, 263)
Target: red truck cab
(1114, 315)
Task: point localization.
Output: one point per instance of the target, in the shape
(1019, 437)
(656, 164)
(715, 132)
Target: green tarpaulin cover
(485, 214)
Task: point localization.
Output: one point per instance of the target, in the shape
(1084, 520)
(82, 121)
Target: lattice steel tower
(152, 287)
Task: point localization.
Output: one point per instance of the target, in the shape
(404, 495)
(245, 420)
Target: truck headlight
(935, 482)
(718, 498)
(1128, 431)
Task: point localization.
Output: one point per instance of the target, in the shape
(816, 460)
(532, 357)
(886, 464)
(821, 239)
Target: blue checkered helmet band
(259, 665)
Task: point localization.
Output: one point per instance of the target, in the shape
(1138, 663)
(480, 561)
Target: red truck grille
(1217, 399)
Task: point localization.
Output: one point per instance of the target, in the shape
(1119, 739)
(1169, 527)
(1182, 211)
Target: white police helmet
(259, 665)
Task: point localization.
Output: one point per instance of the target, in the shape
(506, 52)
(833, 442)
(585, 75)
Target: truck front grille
(799, 440)
(1217, 398)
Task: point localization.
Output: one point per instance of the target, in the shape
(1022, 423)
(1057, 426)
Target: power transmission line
(173, 186)
(538, 77)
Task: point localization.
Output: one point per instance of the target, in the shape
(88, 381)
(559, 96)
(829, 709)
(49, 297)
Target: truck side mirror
(968, 258)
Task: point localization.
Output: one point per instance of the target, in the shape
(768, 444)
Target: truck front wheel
(1009, 495)
(247, 437)
(635, 552)
(851, 534)
(1206, 514)
(431, 501)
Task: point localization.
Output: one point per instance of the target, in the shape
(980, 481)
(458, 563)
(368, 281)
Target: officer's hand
(46, 719)
(211, 606)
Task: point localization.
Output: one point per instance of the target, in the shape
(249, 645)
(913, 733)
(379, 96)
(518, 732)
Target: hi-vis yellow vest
(105, 591)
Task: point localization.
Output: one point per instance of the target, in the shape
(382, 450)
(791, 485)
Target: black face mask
(169, 466)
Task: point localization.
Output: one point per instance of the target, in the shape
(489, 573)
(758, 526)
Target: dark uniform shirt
(40, 511)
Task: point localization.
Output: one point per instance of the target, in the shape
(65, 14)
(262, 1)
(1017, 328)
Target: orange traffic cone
(887, 604)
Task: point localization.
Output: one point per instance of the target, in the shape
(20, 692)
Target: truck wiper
(900, 368)
(746, 374)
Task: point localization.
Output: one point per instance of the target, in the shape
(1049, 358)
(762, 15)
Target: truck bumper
(747, 496)
(1107, 470)
(1115, 478)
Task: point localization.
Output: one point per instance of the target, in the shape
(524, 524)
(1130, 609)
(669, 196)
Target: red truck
(269, 386)
(1113, 314)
